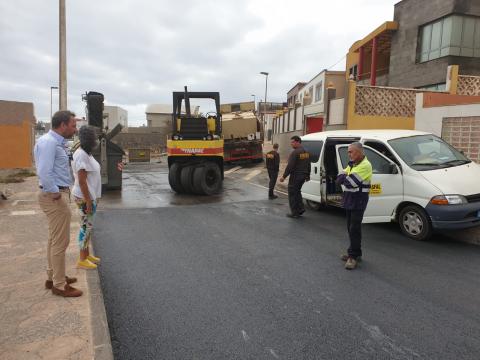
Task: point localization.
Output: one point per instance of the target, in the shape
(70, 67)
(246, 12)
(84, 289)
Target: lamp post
(254, 102)
(265, 101)
(51, 88)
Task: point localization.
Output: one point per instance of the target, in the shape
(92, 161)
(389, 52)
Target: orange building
(17, 137)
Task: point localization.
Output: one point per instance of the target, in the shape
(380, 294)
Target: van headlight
(448, 200)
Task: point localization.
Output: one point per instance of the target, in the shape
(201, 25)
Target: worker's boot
(344, 257)
(351, 264)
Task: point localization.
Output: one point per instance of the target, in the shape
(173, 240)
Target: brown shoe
(67, 292)
(68, 280)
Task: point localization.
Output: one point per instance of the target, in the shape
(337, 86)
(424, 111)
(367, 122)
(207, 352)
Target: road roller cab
(195, 148)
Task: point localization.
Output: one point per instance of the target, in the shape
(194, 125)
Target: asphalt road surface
(230, 277)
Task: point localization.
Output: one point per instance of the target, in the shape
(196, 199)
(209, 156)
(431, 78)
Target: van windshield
(427, 152)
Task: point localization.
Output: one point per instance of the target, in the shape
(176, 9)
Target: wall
(16, 134)
(371, 107)
(410, 14)
(430, 119)
(140, 137)
(463, 133)
(159, 120)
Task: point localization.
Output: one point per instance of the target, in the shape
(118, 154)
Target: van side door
(387, 184)
(311, 190)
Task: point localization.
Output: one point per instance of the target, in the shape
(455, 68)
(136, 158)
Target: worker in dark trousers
(298, 168)
(355, 181)
(272, 160)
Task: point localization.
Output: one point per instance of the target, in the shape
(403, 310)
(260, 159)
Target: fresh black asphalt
(238, 280)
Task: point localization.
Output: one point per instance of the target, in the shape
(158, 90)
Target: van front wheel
(414, 223)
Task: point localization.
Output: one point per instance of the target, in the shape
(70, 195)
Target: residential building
(415, 49)
(308, 106)
(292, 94)
(17, 134)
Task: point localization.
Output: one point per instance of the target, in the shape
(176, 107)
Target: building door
(314, 124)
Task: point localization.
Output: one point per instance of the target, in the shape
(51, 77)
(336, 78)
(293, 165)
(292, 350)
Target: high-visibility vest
(358, 177)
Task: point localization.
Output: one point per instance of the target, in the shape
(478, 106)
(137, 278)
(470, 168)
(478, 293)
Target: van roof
(376, 134)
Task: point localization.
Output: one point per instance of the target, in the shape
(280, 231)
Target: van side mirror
(393, 169)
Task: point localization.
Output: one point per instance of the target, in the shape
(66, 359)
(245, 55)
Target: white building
(113, 115)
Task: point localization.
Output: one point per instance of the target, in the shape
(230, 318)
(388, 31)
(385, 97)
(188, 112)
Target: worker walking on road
(355, 181)
(298, 168)
(272, 160)
(53, 170)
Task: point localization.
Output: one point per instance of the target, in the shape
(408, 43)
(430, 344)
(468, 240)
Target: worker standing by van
(272, 160)
(356, 186)
(298, 168)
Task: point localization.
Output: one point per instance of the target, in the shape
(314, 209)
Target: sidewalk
(35, 323)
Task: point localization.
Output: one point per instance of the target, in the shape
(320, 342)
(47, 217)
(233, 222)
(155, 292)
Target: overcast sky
(138, 52)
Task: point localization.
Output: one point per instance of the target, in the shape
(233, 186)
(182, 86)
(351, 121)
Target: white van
(418, 180)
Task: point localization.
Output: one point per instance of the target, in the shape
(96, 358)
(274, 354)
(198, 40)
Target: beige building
(159, 115)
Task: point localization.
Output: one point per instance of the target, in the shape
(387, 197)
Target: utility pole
(63, 56)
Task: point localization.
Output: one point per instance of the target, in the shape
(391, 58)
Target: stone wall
(468, 85)
(381, 101)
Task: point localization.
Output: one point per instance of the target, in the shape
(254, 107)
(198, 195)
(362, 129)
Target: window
(436, 87)
(454, 35)
(427, 152)
(318, 91)
(314, 148)
(353, 72)
(380, 165)
(383, 149)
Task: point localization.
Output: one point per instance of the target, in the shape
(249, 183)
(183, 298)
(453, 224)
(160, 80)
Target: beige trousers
(58, 217)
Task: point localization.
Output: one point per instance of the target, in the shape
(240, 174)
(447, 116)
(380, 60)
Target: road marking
(274, 354)
(232, 170)
(245, 336)
(264, 187)
(21, 213)
(252, 174)
(327, 296)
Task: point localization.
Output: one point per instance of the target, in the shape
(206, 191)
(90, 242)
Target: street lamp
(51, 88)
(265, 101)
(254, 102)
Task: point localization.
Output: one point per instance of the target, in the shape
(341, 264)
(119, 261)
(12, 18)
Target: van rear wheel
(313, 205)
(415, 223)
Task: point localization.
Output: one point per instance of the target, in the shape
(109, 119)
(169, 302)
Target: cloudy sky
(137, 52)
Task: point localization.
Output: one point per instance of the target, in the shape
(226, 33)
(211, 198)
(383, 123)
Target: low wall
(283, 140)
(430, 119)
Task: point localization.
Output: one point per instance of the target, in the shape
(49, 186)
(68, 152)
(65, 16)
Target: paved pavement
(232, 278)
(34, 323)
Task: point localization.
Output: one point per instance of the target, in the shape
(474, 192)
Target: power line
(344, 56)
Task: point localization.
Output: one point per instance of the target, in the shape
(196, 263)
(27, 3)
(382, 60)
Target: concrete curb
(102, 345)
